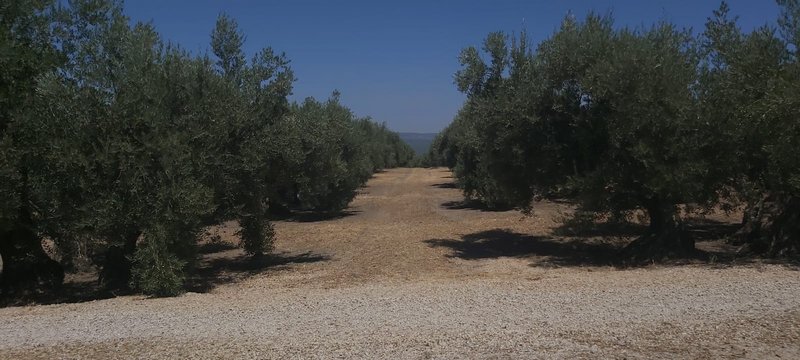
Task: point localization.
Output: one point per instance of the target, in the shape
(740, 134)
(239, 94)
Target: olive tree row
(120, 147)
(648, 119)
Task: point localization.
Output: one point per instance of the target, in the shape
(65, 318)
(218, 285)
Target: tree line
(653, 118)
(121, 147)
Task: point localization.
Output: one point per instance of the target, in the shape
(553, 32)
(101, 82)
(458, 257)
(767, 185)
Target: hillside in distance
(420, 142)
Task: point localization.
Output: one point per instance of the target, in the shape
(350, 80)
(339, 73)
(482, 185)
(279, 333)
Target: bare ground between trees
(410, 272)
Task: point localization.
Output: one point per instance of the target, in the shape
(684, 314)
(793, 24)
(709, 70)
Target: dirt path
(410, 273)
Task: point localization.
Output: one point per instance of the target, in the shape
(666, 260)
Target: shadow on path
(315, 216)
(699, 228)
(600, 248)
(474, 205)
(445, 185)
(230, 269)
(504, 243)
(76, 291)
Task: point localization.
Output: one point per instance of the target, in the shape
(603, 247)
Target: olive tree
(606, 116)
(749, 83)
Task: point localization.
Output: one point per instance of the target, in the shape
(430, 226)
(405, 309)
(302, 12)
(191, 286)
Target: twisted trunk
(26, 266)
(772, 226)
(117, 265)
(666, 236)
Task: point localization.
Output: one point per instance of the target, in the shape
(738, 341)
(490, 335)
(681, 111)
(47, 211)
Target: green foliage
(327, 177)
(26, 53)
(118, 145)
(156, 270)
(226, 42)
(621, 119)
(749, 83)
(257, 234)
(338, 154)
(10, 179)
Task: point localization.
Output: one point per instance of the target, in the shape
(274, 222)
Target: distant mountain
(420, 142)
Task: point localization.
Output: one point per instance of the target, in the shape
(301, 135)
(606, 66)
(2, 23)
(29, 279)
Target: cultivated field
(410, 272)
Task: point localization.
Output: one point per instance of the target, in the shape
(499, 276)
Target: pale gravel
(429, 305)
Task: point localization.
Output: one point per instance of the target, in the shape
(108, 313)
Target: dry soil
(410, 272)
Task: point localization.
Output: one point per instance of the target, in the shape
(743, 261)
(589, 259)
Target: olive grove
(623, 119)
(121, 147)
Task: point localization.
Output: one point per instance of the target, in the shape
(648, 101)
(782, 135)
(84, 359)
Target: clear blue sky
(395, 60)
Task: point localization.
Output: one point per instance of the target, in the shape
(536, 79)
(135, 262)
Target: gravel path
(386, 291)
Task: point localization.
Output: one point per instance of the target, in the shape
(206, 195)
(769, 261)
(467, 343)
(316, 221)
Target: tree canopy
(622, 119)
(121, 147)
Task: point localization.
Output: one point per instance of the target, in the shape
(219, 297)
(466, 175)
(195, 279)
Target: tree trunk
(666, 236)
(26, 266)
(771, 227)
(117, 265)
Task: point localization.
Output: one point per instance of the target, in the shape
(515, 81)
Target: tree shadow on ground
(700, 229)
(711, 237)
(316, 216)
(231, 269)
(602, 229)
(601, 247)
(505, 243)
(445, 185)
(215, 247)
(226, 267)
(85, 288)
(474, 205)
